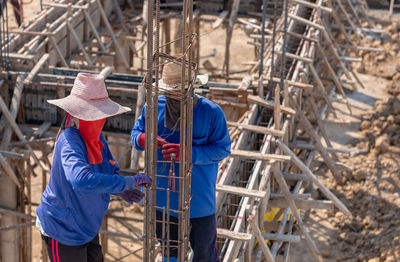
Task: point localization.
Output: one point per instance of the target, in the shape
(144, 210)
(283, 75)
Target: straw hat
(89, 99)
(172, 77)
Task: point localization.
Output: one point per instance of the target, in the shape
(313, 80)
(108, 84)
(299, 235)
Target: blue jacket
(77, 196)
(211, 144)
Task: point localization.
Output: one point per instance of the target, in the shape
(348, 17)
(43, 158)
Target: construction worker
(16, 8)
(211, 144)
(83, 175)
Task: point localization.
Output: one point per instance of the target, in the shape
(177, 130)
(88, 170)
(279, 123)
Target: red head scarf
(90, 131)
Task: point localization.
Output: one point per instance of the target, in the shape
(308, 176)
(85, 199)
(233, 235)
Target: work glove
(138, 180)
(169, 149)
(142, 139)
(132, 196)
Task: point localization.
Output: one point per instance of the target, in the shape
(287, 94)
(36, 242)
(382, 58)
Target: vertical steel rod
(264, 13)
(148, 128)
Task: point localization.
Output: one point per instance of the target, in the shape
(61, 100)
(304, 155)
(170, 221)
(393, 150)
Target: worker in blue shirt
(211, 144)
(83, 176)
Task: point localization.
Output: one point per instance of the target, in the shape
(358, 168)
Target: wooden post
(333, 75)
(321, 125)
(79, 43)
(277, 109)
(313, 178)
(321, 87)
(111, 31)
(316, 141)
(229, 31)
(94, 30)
(167, 35)
(285, 189)
(68, 39)
(261, 241)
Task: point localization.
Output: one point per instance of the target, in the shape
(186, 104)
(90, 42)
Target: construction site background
(372, 187)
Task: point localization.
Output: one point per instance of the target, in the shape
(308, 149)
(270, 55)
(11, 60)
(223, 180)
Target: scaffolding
(277, 114)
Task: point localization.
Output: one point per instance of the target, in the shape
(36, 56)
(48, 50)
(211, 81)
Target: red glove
(169, 149)
(142, 139)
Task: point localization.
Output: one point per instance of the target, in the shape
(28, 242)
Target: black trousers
(203, 237)
(89, 252)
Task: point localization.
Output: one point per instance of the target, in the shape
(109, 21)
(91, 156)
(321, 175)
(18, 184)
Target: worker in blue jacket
(83, 176)
(211, 144)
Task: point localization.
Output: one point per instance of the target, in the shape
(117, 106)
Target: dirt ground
(372, 186)
(371, 190)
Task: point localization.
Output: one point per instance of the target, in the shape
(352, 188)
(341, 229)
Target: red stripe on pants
(52, 247)
(58, 258)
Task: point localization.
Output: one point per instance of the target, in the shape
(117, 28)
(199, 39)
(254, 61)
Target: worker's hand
(138, 180)
(169, 149)
(142, 139)
(132, 196)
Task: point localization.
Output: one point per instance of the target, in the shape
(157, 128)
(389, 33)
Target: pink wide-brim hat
(89, 99)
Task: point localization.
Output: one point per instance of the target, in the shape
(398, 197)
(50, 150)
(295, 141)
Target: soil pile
(372, 187)
(371, 190)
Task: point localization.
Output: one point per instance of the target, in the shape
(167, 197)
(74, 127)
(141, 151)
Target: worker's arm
(219, 142)
(138, 129)
(82, 178)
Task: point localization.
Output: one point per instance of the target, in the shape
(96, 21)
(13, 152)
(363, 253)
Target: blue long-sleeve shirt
(77, 195)
(211, 144)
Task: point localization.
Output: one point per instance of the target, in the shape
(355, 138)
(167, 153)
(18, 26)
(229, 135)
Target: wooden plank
(58, 51)
(228, 103)
(220, 19)
(304, 204)
(258, 156)
(225, 233)
(257, 129)
(41, 130)
(312, 147)
(294, 196)
(84, 7)
(305, 21)
(9, 171)
(36, 69)
(78, 42)
(312, 5)
(30, 33)
(340, 24)
(245, 84)
(321, 86)
(11, 154)
(15, 102)
(316, 140)
(19, 134)
(269, 104)
(296, 57)
(285, 189)
(313, 178)
(21, 56)
(321, 125)
(245, 22)
(240, 191)
(277, 108)
(282, 237)
(291, 83)
(261, 241)
(111, 31)
(289, 176)
(94, 30)
(333, 75)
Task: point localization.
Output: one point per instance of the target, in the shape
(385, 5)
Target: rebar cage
(156, 60)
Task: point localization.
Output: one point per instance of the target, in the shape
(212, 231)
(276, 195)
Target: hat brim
(89, 110)
(200, 81)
